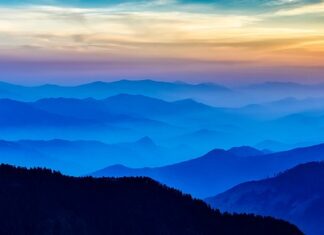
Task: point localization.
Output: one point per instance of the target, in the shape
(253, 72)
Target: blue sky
(236, 4)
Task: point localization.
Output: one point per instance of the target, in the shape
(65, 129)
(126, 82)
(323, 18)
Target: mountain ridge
(219, 170)
(57, 204)
(296, 195)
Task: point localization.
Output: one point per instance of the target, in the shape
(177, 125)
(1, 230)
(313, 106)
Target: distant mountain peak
(96, 83)
(125, 95)
(118, 167)
(188, 100)
(216, 153)
(245, 151)
(213, 85)
(146, 141)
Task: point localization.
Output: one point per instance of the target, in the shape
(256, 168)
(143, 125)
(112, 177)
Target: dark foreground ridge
(39, 201)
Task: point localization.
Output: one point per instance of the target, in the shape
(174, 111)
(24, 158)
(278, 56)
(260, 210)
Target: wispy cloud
(302, 10)
(116, 24)
(163, 30)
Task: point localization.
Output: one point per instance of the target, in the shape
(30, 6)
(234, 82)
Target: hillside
(219, 170)
(45, 202)
(80, 157)
(297, 195)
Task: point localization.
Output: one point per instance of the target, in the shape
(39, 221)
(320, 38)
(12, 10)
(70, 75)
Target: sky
(228, 41)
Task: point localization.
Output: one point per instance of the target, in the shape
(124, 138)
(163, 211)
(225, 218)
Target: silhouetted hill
(296, 195)
(45, 202)
(220, 170)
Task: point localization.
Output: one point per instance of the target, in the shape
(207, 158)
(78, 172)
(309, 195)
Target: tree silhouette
(40, 201)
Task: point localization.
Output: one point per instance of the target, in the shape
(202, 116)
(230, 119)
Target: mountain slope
(280, 108)
(296, 195)
(101, 90)
(73, 119)
(56, 204)
(81, 157)
(220, 170)
(119, 107)
(143, 105)
(15, 113)
(245, 151)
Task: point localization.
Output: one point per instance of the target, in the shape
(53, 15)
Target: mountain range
(119, 107)
(101, 90)
(179, 134)
(124, 117)
(220, 170)
(82, 156)
(209, 93)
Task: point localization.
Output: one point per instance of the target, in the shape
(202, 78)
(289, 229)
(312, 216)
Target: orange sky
(196, 37)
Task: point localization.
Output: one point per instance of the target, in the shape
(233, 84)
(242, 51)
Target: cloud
(302, 10)
(152, 30)
(118, 23)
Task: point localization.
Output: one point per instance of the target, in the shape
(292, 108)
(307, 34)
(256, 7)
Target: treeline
(40, 201)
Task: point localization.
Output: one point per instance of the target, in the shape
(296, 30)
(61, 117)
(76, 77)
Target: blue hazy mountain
(143, 105)
(208, 93)
(89, 109)
(74, 119)
(17, 114)
(305, 124)
(276, 146)
(281, 108)
(21, 120)
(290, 88)
(81, 157)
(114, 107)
(15, 154)
(285, 86)
(272, 91)
(179, 122)
(296, 195)
(246, 151)
(173, 123)
(121, 118)
(207, 139)
(220, 170)
(125, 118)
(74, 158)
(101, 90)
(141, 114)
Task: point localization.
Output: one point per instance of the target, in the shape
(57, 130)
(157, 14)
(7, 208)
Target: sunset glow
(201, 39)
